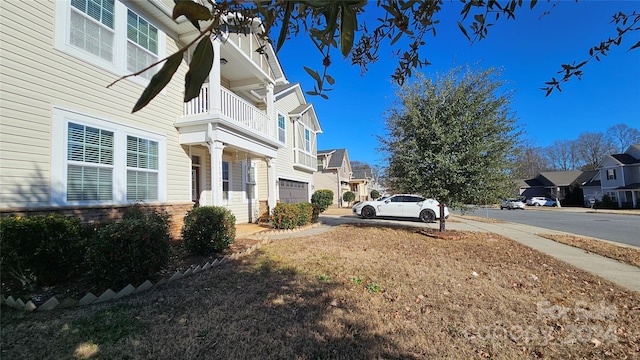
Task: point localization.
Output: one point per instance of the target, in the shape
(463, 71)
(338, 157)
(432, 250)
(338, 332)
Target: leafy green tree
(452, 138)
(339, 25)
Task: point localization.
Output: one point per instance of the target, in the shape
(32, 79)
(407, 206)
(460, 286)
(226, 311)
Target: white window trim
(59, 133)
(286, 118)
(226, 201)
(119, 66)
(245, 181)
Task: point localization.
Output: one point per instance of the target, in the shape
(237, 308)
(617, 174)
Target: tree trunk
(442, 219)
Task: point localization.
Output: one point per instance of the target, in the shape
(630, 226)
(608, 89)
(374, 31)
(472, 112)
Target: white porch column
(272, 183)
(215, 149)
(215, 97)
(273, 121)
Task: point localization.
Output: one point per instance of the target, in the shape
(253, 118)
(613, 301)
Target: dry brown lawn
(625, 254)
(353, 293)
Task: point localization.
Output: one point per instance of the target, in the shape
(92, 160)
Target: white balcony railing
(233, 107)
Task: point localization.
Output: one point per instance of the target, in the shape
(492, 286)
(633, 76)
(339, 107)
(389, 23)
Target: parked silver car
(540, 201)
(401, 205)
(511, 204)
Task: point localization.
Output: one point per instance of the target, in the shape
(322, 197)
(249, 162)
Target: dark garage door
(293, 191)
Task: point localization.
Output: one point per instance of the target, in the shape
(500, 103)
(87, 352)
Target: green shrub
(606, 203)
(284, 216)
(315, 213)
(349, 196)
(322, 199)
(305, 213)
(42, 250)
(129, 251)
(374, 194)
(208, 229)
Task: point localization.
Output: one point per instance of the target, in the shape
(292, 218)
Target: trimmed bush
(322, 199)
(315, 213)
(129, 251)
(284, 216)
(208, 229)
(305, 213)
(374, 194)
(43, 250)
(349, 196)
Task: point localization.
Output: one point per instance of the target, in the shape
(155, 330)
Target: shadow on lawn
(256, 307)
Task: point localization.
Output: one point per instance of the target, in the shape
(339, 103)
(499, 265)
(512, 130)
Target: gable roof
(587, 177)
(625, 159)
(337, 155)
(362, 173)
(558, 178)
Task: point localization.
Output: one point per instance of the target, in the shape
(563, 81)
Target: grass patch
(625, 254)
(482, 296)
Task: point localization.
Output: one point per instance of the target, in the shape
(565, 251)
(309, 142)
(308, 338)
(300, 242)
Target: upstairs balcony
(231, 110)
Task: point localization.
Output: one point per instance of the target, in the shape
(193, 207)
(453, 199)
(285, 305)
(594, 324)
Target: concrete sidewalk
(622, 274)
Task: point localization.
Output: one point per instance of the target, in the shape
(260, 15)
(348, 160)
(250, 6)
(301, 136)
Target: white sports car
(401, 205)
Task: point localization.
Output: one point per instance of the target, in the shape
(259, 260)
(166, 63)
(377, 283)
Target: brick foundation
(94, 214)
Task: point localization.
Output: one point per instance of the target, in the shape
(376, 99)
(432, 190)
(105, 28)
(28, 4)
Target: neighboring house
(592, 189)
(362, 181)
(70, 144)
(551, 184)
(333, 173)
(620, 177)
(298, 127)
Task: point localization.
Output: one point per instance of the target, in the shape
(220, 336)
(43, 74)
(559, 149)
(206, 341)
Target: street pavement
(622, 274)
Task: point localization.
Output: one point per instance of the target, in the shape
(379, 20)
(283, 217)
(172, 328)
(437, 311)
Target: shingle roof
(336, 158)
(362, 173)
(586, 177)
(626, 159)
(559, 178)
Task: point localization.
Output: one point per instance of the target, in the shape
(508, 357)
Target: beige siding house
(333, 173)
(70, 143)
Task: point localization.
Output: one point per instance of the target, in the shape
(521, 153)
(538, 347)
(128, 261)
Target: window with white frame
(249, 180)
(611, 174)
(142, 169)
(307, 140)
(613, 195)
(142, 44)
(225, 180)
(282, 130)
(104, 162)
(90, 163)
(107, 34)
(91, 27)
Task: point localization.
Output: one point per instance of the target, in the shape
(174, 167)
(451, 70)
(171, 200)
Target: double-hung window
(142, 44)
(142, 169)
(611, 174)
(91, 27)
(98, 161)
(90, 163)
(108, 34)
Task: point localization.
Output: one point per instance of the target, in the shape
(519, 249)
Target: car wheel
(537, 204)
(501, 208)
(428, 216)
(368, 212)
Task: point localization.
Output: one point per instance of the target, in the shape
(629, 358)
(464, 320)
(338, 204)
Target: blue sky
(529, 50)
